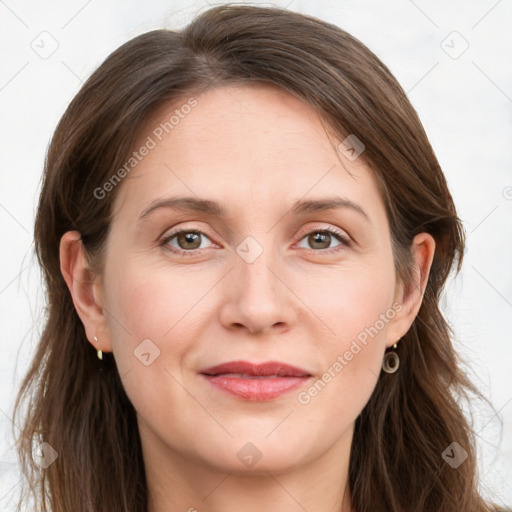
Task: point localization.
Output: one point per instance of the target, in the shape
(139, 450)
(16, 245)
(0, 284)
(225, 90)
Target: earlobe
(80, 280)
(411, 297)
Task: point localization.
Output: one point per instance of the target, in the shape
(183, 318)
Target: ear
(85, 289)
(423, 250)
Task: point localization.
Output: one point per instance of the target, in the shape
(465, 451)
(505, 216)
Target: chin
(258, 463)
(248, 454)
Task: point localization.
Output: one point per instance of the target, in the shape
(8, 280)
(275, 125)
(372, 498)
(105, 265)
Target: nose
(257, 297)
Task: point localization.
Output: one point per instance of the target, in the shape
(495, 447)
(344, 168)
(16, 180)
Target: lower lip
(256, 389)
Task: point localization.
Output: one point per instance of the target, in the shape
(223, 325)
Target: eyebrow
(213, 208)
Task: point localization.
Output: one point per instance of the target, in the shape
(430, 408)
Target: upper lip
(259, 370)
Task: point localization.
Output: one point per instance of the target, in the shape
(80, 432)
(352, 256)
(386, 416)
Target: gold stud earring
(391, 361)
(99, 353)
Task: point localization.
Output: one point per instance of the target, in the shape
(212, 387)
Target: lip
(256, 370)
(255, 382)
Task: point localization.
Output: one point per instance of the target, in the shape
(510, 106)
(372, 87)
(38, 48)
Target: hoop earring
(391, 361)
(99, 353)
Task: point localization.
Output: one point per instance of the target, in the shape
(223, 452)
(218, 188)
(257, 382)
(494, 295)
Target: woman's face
(260, 282)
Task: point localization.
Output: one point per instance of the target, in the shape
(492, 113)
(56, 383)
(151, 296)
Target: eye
(188, 240)
(321, 239)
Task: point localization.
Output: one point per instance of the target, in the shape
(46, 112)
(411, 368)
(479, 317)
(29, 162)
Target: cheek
(149, 319)
(350, 300)
(140, 310)
(155, 319)
(150, 303)
(356, 309)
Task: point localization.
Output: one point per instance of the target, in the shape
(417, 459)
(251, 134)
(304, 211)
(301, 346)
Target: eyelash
(344, 241)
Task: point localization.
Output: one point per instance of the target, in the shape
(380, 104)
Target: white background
(463, 96)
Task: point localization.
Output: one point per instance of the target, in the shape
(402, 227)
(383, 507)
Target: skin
(255, 149)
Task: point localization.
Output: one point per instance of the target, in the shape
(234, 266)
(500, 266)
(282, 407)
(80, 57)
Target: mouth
(255, 382)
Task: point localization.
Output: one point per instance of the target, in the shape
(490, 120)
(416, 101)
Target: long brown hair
(77, 404)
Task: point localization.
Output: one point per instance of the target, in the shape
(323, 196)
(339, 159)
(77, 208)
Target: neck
(178, 483)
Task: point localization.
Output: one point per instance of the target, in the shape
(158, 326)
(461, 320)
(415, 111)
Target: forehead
(252, 146)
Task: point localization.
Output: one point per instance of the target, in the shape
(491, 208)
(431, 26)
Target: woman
(245, 233)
